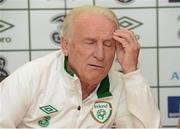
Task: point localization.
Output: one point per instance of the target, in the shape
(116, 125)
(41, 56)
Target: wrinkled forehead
(91, 18)
(93, 22)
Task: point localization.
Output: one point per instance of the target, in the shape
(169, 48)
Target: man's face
(91, 49)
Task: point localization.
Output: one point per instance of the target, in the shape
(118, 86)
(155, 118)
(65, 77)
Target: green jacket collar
(104, 87)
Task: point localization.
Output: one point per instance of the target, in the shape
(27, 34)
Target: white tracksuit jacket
(42, 93)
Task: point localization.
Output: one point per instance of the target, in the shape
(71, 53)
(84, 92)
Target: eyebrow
(109, 39)
(92, 39)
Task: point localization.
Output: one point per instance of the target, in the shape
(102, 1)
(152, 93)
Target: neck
(87, 89)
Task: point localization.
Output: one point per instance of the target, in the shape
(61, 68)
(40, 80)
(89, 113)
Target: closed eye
(108, 43)
(90, 41)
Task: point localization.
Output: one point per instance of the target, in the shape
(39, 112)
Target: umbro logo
(48, 109)
(129, 23)
(5, 26)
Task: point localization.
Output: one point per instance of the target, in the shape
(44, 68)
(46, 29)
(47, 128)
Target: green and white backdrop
(30, 29)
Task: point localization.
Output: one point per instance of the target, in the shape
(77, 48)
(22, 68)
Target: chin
(95, 79)
(95, 76)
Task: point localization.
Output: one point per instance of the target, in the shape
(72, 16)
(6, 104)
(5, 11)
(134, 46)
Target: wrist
(129, 70)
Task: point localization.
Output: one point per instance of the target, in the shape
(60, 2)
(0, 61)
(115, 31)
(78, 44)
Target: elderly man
(78, 87)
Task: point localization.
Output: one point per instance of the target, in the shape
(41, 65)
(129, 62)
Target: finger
(121, 41)
(119, 46)
(126, 34)
(129, 36)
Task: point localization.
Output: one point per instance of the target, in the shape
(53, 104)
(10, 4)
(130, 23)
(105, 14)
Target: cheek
(78, 58)
(110, 53)
(110, 57)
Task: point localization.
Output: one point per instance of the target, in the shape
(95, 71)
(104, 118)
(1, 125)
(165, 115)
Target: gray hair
(68, 22)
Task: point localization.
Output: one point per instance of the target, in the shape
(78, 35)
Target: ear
(64, 45)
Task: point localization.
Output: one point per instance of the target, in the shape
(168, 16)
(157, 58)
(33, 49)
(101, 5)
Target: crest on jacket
(101, 111)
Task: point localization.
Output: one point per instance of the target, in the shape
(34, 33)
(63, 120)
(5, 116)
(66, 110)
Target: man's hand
(127, 49)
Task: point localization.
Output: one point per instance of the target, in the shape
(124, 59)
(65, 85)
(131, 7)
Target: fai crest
(101, 111)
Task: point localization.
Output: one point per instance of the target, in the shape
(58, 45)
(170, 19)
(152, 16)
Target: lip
(96, 66)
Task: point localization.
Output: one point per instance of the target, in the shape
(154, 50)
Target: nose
(99, 52)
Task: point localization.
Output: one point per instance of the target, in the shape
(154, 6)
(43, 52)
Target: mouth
(96, 66)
